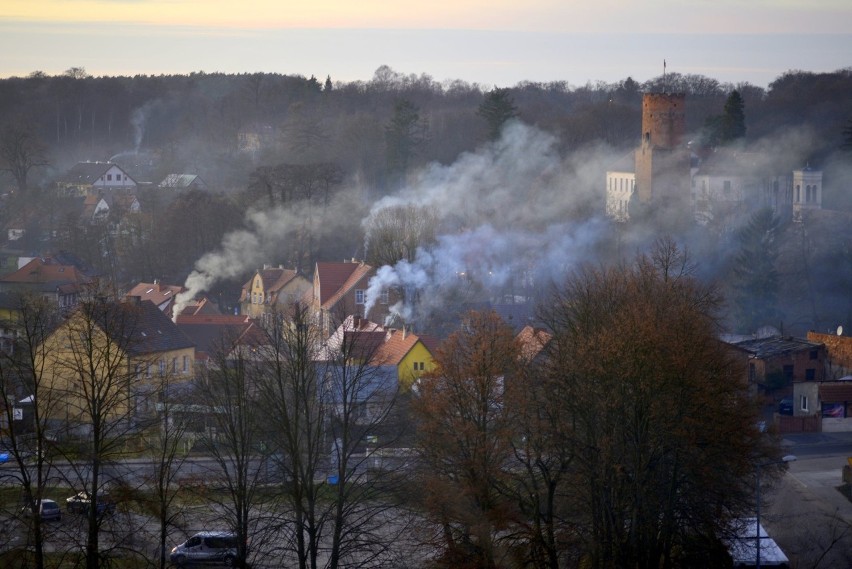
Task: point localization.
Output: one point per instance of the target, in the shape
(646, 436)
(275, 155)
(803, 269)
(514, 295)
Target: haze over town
(438, 285)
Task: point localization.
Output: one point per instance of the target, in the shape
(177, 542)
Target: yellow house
(107, 357)
(410, 353)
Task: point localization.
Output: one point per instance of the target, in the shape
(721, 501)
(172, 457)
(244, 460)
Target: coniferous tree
(756, 282)
(733, 120)
(497, 108)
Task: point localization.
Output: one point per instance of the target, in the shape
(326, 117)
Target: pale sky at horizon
(490, 42)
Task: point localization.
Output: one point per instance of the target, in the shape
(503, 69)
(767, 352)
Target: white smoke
(512, 213)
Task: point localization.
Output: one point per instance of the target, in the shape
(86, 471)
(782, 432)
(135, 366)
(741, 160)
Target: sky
(488, 42)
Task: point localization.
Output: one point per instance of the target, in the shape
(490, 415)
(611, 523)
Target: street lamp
(785, 459)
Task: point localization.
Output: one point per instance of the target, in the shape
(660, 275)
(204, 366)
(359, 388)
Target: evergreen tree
(756, 282)
(847, 137)
(328, 86)
(404, 134)
(497, 108)
(733, 119)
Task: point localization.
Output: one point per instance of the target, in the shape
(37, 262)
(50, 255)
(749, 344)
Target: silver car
(216, 547)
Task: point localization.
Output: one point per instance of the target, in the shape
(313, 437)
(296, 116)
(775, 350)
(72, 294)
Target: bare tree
(332, 411)
(396, 232)
(88, 359)
(235, 441)
(21, 151)
(167, 444)
(22, 377)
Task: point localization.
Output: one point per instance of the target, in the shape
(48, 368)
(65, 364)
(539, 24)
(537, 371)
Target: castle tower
(662, 162)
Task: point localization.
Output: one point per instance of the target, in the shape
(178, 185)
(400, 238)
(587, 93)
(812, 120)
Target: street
(806, 514)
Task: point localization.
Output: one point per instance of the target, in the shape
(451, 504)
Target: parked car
(785, 407)
(47, 509)
(79, 503)
(213, 547)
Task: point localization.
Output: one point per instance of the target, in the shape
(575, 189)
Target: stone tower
(662, 160)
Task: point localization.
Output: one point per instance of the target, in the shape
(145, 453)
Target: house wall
(619, 189)
(114, 177)
(801, 360)
(406, 370)
(838, 360)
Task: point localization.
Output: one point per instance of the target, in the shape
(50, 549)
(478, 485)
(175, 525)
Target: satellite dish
(840, 330)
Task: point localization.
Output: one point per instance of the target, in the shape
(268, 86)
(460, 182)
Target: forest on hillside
(304, 169)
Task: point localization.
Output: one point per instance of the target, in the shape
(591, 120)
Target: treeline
(191, 123)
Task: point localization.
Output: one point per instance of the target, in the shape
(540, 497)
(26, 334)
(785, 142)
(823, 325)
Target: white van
(215, 547)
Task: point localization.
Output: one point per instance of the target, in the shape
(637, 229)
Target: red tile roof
(157, 293)
(337, 279)
(532, 341)
(397, 344)
(212, 332)
(46, 270)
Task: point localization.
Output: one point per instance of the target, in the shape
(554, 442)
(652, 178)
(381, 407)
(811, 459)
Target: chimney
(404, 331)
(134, 300)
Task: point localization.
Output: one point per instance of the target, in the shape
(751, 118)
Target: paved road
(806, 513)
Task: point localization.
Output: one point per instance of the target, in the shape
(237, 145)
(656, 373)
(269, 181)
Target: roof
(210, 332)
(350, 330)
(274, 279)
(86, 173)
(336, 279)
(532, 341)
(46, 270)
(180, 181)
(396, 345)
(831, 392)
(200, 306)
(160, 294)
(139, 326)
(742, 548)
(775, 346)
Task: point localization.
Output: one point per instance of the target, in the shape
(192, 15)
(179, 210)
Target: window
(810, 374)
(788, 373)
(148, 372)
(726, 187)
(185, 364)
(752, 373)
(359, 296)
(174, 365)
(422, 366)
(804, 402)
(162, 367)
(109, 177)
(383, 298)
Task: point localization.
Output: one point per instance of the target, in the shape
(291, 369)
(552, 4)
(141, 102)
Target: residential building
(271, 289)
(183, 182)
(409, 353)
(163, 296)
(49, 277)
(340, 290)
(776, 363)
(215, 335)
(123, 348)
(88, 177)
